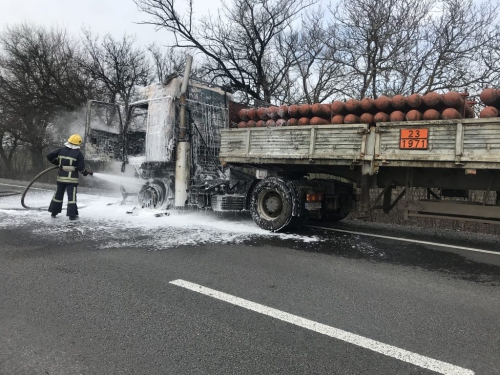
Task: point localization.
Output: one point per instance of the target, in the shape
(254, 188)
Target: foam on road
(101, 217)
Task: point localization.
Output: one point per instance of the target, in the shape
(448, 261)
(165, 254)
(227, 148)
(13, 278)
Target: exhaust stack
(182, 172)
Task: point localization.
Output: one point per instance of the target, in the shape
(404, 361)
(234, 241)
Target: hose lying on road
(31, 183)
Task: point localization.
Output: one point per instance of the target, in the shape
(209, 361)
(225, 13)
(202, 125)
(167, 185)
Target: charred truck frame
(177, 140)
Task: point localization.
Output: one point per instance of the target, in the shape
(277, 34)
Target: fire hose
(70, 169)
(31, 183)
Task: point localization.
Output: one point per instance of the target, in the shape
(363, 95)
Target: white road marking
(351, 338)
(408, 240)
(24, 187)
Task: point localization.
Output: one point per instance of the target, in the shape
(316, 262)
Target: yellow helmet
(75, 139)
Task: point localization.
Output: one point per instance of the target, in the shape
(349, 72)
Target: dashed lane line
(407, 240)
(351, 338)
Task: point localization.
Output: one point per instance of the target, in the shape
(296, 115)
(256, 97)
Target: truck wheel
(271, 204)
(154, 194)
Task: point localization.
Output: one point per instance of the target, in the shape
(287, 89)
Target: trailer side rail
(328, 144)
(467, 143)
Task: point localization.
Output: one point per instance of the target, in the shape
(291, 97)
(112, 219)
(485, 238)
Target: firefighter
(70, 161)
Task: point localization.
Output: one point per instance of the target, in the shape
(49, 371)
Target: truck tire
(272, 204)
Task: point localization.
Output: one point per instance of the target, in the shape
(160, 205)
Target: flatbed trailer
(449, 158)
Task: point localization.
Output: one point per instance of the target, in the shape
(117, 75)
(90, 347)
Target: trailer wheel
(271, 204)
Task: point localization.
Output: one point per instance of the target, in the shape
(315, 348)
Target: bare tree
(167, 61)
(118, 65)
(38, 80)
(490, 56)
(447, 54)
(317, 74)
(369, 35)
(402, 46)
(9, 142)
(240, 43)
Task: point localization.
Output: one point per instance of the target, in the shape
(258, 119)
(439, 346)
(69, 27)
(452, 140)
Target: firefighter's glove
(90, 173)
(85, 173)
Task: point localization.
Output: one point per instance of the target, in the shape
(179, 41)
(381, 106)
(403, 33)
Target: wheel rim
(270, 204)
(152, 195)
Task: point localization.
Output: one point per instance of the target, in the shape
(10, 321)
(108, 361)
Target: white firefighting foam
(161, 119)
(104, 219)
(120, 180)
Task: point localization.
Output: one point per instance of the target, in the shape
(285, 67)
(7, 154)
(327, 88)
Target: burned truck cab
(147, 143)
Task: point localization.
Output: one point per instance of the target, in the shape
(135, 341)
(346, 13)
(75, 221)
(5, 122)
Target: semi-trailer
(193, 146)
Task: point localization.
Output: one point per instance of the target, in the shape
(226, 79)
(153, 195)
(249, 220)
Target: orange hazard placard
(417, 139)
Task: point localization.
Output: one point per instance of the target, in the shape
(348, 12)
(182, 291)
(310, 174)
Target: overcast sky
(101, 16)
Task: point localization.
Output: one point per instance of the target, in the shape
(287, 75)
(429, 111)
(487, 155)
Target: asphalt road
(68, 305)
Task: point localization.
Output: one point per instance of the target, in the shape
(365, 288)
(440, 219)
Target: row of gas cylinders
(416, 107)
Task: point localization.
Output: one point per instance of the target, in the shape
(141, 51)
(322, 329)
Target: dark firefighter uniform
(71, 162)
